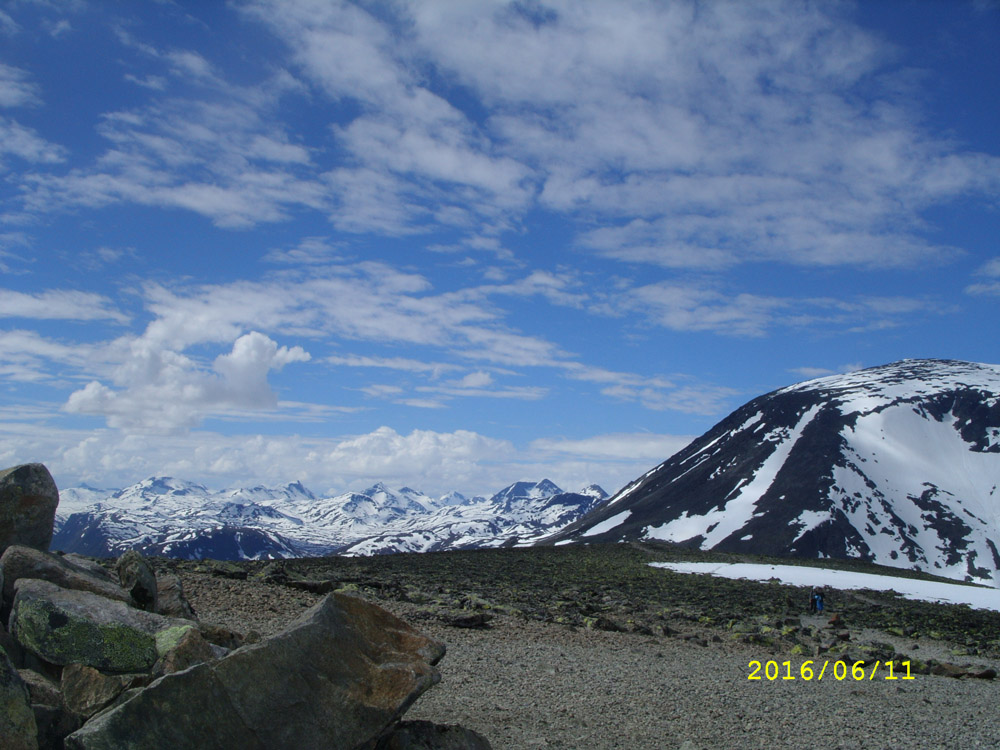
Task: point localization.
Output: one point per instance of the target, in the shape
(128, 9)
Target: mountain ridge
(897, 464)
(171, 517)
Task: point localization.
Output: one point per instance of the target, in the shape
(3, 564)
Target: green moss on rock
(62, 638)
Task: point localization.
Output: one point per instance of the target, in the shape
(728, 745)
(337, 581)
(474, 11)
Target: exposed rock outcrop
(360, 667)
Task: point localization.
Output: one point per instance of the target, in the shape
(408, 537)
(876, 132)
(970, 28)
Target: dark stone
(18, 730)
(170, 599)
(424, 735)
(479, 620)
(138, 579)
(28, 500)
(54, 724)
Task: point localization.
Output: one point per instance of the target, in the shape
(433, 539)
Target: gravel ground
(528, 684)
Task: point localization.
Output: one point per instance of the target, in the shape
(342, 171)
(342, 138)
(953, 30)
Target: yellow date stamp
(840, 670)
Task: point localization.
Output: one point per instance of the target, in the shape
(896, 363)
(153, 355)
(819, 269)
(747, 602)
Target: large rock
(20, 562)
(62, 626)
(335, 678)
(138, 579)
(28, 500)
(18, 730)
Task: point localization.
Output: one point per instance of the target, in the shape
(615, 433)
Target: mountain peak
(897, 464)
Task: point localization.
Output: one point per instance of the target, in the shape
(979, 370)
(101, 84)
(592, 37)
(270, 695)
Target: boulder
(91, 566)
(62, 626)
(86, 690)
(424, 735)
(41, 689)
(191, 649)
(138, 579)
(28, 500)
(17, 721)
(170, 600)
(20, 562)
(335, 678)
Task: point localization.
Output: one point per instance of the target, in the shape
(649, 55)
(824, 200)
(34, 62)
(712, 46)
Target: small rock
(170, 599)
(28, 500)
(138, 579)
(478, 620)
(191, 649)
(425, 735)
(87, 690)
(983, 674)
(41, 689)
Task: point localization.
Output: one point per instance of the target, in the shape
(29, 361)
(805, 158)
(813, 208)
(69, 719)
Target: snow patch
(977, 597)
(606, 525)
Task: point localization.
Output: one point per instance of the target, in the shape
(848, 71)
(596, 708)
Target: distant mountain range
(174, 518)
(898, 465)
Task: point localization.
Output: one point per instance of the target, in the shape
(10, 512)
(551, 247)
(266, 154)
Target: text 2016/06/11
(772, 670)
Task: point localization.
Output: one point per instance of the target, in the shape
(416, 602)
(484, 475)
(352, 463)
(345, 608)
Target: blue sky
(459, 244)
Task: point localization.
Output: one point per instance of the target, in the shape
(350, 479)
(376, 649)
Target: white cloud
(58, 304)
(434, 462)
(26, 144)
(163, 390)
(15, 88)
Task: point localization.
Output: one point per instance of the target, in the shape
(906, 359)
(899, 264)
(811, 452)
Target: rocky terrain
(588, 646)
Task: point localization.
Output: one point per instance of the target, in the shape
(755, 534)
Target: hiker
(819, 601)
(812, 601)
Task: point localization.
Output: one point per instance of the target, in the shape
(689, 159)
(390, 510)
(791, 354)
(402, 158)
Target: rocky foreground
(590, 647)
(114, 657)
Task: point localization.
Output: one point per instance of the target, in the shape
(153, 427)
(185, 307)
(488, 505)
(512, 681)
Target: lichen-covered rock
(62, 626)
(28, 500)
(18, 730)
(170, 599)
(138, 579)
(20, 562)
(335, 678)
(189, 649)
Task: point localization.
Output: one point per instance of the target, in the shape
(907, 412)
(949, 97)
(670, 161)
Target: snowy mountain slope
(518, 514)
(174, 518)
(898, 464)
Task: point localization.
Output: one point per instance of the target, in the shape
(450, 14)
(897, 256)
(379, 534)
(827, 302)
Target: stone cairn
(91, 660)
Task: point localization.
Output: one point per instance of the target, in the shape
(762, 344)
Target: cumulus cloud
(163, 390)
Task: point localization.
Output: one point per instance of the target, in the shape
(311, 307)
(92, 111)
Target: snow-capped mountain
(175, 518)
(898, 465)
(519, 514)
